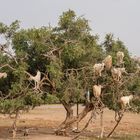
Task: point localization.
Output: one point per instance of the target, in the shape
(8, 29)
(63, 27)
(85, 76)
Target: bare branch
(2, 48)
(7, 65)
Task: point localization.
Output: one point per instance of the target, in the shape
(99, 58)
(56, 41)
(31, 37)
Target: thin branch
(8, 53)
(118, 121)
(48, 80)
(7, 65)
(84, 126)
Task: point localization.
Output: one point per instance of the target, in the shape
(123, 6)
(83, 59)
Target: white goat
(117, 73)
(108, 62)
(120, 56)
(97, 90)
(124, 100)
(3, 75)
(98, 68)
(36, 79)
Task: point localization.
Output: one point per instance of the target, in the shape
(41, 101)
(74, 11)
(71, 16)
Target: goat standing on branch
(117, 73)
(98, 68)
(3, 75)
(108, 62)
(120, 56)
(36, 79)
(124, 100)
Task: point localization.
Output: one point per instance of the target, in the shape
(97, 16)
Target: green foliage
(51, 99)
(66, 54)
(66, 19)
(3, 28)
(11, 106)
(9, 31)
(33, 99)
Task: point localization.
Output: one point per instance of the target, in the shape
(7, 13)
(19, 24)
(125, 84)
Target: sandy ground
(43, 120)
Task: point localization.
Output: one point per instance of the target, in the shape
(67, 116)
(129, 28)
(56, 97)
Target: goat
(120, 56)
(124, 100)
(97, 90)
(98, 68)
(3, 75)
(117, 73)
(36, 79)
(108, 62)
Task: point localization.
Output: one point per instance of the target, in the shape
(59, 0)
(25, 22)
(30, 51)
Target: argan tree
(65, 56)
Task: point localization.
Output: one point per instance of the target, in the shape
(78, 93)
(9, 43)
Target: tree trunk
(69, 112)
(118, 121)
(102, 125)
(15, 125)
(77, 114)
(70, 119)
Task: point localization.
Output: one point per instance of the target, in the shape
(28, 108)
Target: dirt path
(44, 119)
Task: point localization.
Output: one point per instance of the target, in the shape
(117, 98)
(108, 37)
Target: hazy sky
(120, 17)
